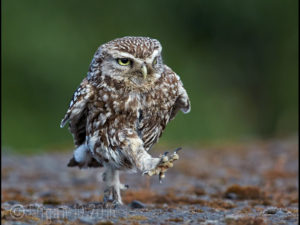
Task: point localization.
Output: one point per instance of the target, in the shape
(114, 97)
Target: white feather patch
(81, 154)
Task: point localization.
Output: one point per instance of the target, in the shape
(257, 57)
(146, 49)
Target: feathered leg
(113, 187)
(146, 163)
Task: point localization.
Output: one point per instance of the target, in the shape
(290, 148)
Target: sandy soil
(246, 184)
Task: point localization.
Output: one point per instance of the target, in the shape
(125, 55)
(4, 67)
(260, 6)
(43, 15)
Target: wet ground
(246, 184)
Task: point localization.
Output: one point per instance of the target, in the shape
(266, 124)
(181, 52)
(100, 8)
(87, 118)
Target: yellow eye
(155, 61)
(123, 61)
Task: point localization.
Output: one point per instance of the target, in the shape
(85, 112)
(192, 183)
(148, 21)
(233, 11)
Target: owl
(120, 110)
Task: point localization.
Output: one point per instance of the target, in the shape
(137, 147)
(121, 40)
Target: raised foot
(164, 164)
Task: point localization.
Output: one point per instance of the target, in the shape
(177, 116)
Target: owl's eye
(155, 61)
(123, 61)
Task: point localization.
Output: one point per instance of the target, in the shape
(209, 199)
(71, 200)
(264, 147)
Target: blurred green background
(238, 61)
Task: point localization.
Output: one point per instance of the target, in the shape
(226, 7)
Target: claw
(161, 176)
(177, 150)
(164, 157)
(175, 156)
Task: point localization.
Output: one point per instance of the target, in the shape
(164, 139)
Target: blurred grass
(238, 61)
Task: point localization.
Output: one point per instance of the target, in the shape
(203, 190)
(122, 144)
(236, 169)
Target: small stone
(231, 195)
(137, 205)
(270, 210)
(284, 210)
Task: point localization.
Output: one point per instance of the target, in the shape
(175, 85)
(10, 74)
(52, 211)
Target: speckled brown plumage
(119, 111)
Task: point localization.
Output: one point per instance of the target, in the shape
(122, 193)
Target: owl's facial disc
(137, 70)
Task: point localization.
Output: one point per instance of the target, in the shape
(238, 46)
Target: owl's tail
(83, 158)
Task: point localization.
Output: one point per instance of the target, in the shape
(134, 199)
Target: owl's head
(137, 59)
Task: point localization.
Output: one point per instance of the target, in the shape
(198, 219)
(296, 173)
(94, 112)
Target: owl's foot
(107, 196)
(112, 197)
(164, 164)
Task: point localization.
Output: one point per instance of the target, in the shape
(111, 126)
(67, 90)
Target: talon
(177, 149)
(161, 176)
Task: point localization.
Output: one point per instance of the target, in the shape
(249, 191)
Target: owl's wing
(182, 102)
(77, 112)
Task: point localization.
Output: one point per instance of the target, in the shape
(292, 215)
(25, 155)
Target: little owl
(120, 110)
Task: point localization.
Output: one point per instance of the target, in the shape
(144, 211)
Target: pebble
(137, 205)
(232, 196)
(270, 210)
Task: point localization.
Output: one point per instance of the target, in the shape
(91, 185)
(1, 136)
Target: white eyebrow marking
(117, 54)
(154, 54)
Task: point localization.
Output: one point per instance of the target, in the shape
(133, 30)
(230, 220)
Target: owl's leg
(139, 157)
(113, 187)
(144, 162)
(153, 166)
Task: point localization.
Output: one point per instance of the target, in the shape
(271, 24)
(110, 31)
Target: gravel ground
(246, 184)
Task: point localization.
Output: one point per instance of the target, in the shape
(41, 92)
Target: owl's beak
(144, 71)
